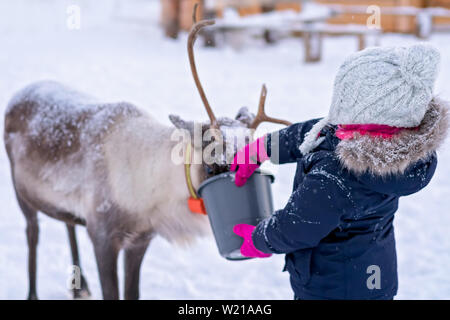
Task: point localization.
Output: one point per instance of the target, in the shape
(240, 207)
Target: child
(377, 144)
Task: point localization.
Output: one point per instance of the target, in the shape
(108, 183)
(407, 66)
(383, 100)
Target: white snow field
(120, 54)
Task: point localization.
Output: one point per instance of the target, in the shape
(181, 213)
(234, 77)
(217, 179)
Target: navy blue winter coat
(337, 228)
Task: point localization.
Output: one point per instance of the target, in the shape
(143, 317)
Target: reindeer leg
(133, 260)
(83, 291)
(32, 232)
(106, 251)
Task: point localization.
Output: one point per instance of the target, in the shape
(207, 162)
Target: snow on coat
(337, 226)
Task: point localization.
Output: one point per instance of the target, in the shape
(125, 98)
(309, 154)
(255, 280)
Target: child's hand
(248, 248)
(248, 159)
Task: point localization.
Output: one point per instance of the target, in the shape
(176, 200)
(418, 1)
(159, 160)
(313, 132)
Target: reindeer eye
(209, 170)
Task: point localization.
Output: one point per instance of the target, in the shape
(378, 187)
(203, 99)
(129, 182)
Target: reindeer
(107, 166)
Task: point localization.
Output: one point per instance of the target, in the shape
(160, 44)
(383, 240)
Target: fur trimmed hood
(392, 156)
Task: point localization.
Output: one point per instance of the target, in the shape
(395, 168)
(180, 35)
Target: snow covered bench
(309, 24)
(424, 17)
(269, 24)
(313, 35)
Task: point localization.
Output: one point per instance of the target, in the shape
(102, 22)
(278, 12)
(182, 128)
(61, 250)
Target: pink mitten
(248, 159)
(248, 248)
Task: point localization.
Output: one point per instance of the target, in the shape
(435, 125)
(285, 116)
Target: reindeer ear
(245, 116)
(187, 125)
(180, 123)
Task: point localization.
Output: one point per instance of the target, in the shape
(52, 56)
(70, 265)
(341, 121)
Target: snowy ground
(120, 54)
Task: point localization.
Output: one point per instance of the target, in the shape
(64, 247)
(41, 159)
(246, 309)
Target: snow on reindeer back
(62, 118)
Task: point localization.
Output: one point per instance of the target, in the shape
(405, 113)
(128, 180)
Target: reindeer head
(227, 135)
(218, 146)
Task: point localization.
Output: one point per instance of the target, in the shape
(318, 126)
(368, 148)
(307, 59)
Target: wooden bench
(313, 35)
(424, 16)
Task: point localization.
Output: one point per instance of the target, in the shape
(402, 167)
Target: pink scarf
(346, 131)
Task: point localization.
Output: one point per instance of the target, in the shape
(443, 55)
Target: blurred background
(135, 50)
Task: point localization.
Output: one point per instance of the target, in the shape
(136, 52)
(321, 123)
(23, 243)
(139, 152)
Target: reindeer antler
(191, 41)
(261, 115)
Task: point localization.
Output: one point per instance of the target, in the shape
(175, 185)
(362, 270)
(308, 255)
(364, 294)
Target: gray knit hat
(391, 86)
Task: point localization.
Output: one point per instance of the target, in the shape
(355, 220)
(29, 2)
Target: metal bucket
(228, 205)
